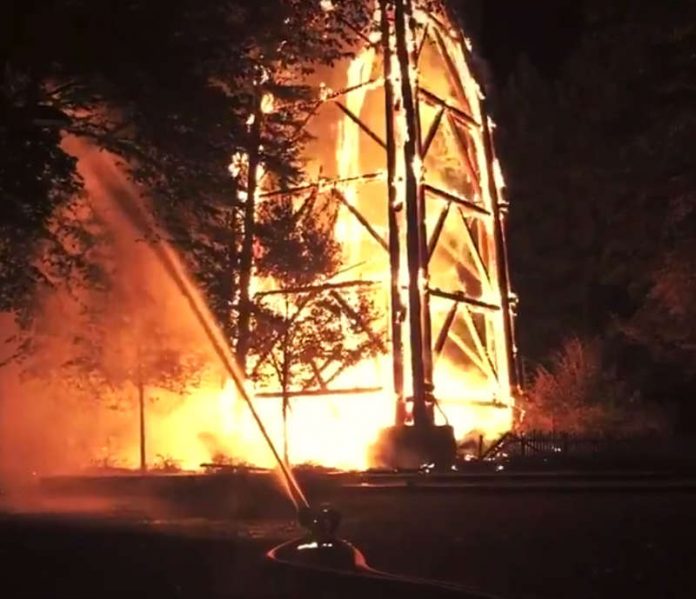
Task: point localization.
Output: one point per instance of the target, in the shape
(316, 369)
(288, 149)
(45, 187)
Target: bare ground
(525, 544)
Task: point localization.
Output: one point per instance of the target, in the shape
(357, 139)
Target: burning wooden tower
(404, 160)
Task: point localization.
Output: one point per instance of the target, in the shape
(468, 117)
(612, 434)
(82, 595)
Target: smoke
(72, 403)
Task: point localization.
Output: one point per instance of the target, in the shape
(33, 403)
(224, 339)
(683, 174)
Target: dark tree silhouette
(307, 331)
(174, 102)
(38, 181)
(601, 176)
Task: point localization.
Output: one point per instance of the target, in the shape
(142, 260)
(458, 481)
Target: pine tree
(38, 180)
(174, 103)
(601, 176)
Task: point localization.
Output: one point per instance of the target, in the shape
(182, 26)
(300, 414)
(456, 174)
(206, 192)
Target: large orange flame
(208, 420)
(470, 374)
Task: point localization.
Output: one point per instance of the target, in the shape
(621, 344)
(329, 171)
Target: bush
(579, 392)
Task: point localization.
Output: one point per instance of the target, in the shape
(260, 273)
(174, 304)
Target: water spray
(320, 546)
(172, 265)
(410, 252)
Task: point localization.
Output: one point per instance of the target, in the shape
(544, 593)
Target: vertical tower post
(396, 307)
(503, 272)
(421, 360)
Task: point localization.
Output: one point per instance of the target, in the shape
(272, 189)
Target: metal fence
(563, 444)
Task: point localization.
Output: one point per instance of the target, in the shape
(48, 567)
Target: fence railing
(554, 444)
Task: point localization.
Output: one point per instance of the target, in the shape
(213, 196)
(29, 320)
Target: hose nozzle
(322, 522)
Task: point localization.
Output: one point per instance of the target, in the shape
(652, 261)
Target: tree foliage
(601, 176)
(169, 90)
(38, 181)
(581, 392)
(308, 335)
(179, 94)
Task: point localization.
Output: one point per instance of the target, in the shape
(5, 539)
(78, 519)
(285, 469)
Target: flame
(239, 162)
(208, 420)
(339, 430)
(470, 374)
(267, 103)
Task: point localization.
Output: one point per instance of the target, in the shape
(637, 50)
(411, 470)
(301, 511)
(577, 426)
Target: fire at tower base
(402, 158)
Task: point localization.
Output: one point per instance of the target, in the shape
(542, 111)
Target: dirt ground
(526, 545)
(519, 545)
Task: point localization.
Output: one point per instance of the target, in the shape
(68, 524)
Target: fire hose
(335, 565)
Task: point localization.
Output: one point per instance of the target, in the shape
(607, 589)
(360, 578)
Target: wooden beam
(432, 132)
(466, 159)
(270, 346)
(358, 319)
(396, 309)
(321, 392)
(476, 255)
(361, 219)
(471, 354)
(318, 288)
(452, 70)
(480, 347)
(458, 296)
(358, 121)
(444, 331)
(434, 100)
(432, 244)
(421, 45)
(323, 183)
(471, 207)
(376, 82)
(317, 374)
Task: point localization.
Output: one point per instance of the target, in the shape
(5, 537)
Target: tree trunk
(231, 258)
(246, 257)
(286, 453)
(141, 406)
(286, 396)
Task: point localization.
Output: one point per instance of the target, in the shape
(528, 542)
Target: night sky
(544, 31)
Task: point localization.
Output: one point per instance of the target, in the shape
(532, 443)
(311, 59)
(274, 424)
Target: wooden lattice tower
(419, 198)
